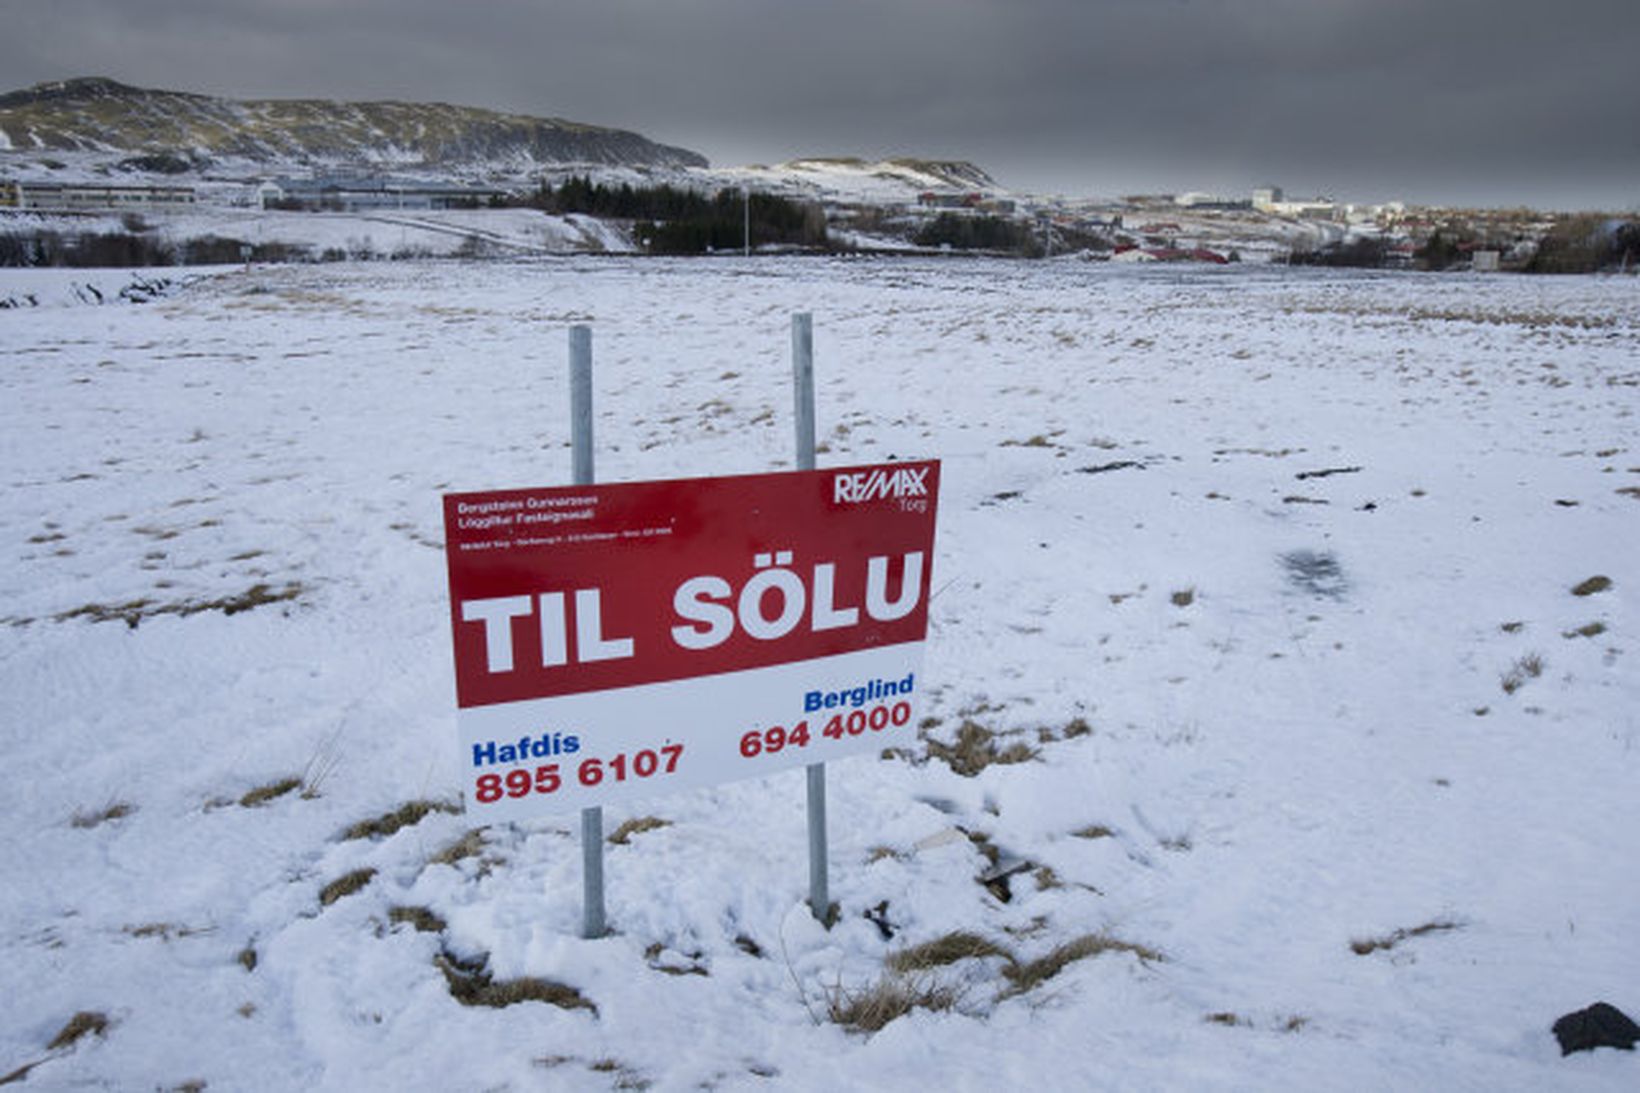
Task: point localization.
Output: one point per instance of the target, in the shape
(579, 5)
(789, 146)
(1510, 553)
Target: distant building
(1271, 200)
(342, 193)
(92, 197)
(1198, 200)
(928, 199)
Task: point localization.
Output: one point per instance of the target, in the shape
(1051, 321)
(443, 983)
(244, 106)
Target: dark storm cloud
(1483, 100)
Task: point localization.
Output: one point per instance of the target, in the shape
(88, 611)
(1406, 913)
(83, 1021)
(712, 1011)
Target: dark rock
(878, 917)
(1601, 1025)
(996, 879)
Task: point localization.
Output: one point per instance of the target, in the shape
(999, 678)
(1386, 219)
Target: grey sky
(1479, 101)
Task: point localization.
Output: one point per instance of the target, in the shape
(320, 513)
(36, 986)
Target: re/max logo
(878, 484)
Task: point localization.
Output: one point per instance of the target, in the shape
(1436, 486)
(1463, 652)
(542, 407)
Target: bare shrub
(1527, 667)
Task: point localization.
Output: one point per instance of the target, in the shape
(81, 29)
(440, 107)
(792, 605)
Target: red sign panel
(563, 590)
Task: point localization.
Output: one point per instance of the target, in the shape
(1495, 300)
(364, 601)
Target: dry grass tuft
(470, 845)
(82, 1024)
(1368, 946)
(1093, 831)
(165, 931)
(422, 918)
(115, 811)
(1592, 586)
(133, 612)
(872, 1008)
(942, 951)
(976, 748)
(406, 815)
(261, 795)
(637, 826)
(471, 984)
(345, 885)
(625, 1076)
(1028, 976)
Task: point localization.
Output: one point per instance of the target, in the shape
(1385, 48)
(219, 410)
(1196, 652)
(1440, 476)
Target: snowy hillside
(1282, 732)
(150, 130)
(96, 130)
(849, 179)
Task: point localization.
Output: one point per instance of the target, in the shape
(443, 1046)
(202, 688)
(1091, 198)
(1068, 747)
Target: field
(1283, 727)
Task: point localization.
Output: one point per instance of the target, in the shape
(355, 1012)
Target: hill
(175, 132)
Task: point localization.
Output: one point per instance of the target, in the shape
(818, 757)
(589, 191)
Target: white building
(352, 194)
(87, 197)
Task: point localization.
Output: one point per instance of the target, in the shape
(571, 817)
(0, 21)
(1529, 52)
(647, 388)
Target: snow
(423, 233)
(845, 179)
(1276, 537)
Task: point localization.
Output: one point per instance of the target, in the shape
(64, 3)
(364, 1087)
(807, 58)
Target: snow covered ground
(1324, 776)
(424, 233)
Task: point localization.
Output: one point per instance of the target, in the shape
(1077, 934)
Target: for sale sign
(613, 641)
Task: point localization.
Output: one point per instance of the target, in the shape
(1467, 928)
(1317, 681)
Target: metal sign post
(592, 819)
(803, 400)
